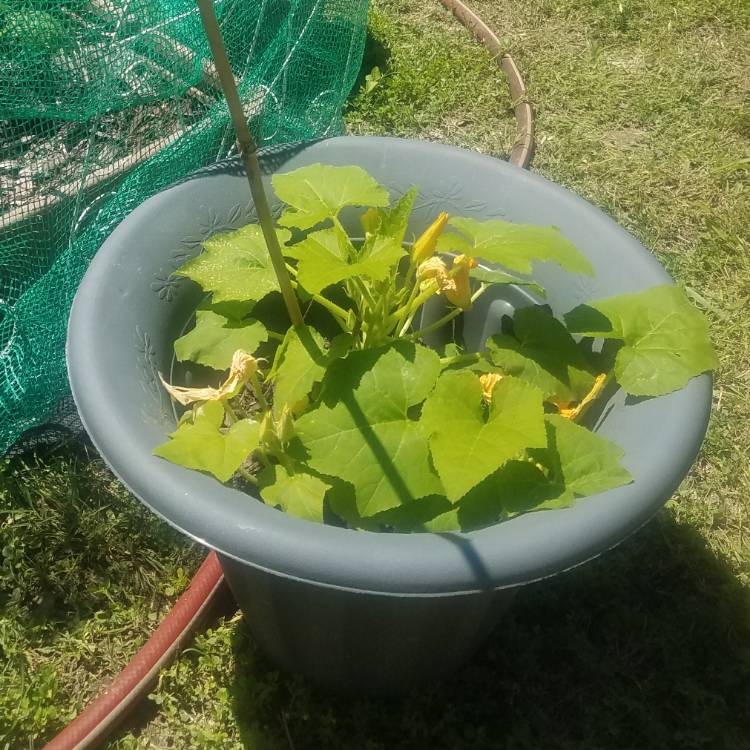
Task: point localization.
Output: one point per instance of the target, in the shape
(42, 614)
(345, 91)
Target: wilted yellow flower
(434, 269)
(574, 412)
(243, 366)
(460, 296)
(489, 380)
(425, 245)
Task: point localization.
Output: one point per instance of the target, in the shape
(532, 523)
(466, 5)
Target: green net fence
(105, 102)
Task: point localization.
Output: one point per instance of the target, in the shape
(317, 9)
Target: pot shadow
(645, 647)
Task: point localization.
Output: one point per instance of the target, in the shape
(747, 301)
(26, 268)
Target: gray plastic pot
(361, 611)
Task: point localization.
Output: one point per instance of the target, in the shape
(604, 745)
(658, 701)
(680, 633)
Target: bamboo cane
(249, 155)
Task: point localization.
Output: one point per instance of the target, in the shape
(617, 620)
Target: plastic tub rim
(507, 554)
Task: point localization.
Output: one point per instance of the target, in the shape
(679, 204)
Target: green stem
(340, 227)
(380, 315)
(364, 291)
(332, 307)
(407, 323)
(460, 359)
(258, 389)
(446, 318)
(403, 311)
(434, 326)
(245, 474)
(274, 335)
(413, 305)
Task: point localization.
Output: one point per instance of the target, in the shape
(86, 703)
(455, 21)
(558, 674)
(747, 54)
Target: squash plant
(351, 418)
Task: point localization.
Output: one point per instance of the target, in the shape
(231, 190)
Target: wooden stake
(249, 154)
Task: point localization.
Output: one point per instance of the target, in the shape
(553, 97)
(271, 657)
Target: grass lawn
(643, 108)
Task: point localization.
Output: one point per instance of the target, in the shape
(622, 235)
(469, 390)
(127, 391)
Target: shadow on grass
(647, 647)
(375, 55)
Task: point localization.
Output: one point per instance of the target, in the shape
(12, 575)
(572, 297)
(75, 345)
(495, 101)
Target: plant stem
(364, 291)
(413, 305)
(407, 323)
(258, 389)
(434, 326)
(249, 154)
(338, 312)
(246, 475)
(460, 359)
(407, 307)
(446, 318)
(340, 227)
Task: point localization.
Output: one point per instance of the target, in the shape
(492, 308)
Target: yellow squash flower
(460, 296)
(243, 366)
(573, 412)
(489, 380)
(434, 269)
(425, 245)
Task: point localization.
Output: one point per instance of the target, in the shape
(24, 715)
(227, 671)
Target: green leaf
(387, 380)
(490, 276)
(300, 362)
(319, 191)
(542, 352)
(444, 523)
(235, 266)
(363, 432)
(515, 246)
(665, 338)
(343, 502)
(393, 222)
(587, 462)
(379, 256)
(576, 463)
(468, 445)
(517, 487)
(299, 494)
(215, 339)
(322, 261)
(417, 515)
(412, 516)
(202, 445)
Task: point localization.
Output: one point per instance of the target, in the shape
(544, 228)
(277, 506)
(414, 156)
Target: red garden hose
(101, 716)
(520, 154)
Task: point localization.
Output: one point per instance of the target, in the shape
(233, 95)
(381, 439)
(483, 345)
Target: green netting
(105, 102)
